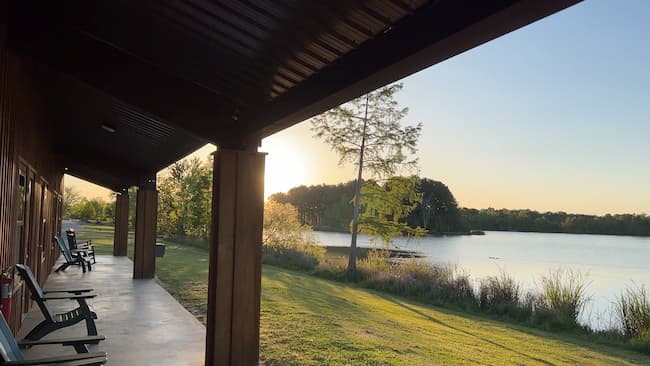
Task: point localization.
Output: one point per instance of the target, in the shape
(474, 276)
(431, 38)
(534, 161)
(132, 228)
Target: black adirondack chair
(52, 320)
(11, 354)
(86, 248)
(71, 257)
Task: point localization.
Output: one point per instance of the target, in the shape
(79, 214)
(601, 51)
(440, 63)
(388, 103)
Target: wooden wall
(25, 141)
(7, 154)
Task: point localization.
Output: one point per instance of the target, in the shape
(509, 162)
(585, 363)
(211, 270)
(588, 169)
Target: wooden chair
(71, 257)
(85, 247)
(52, 320)
(10, 353)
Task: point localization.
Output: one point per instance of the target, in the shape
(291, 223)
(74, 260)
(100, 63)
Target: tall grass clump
(563, 296)
(633, 311)
(299, 256)
(285, 241)
(415, 278)
(502, 295)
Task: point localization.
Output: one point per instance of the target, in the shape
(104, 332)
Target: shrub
(642, 343)
(282, 226)
(633, 311)
(286, 242)
(416, 278)
(299, 256)
(335, 268)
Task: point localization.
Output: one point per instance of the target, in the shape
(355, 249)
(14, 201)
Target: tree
(282, 227)
(109, 208)
(387, 207)
(71, 198)
(197, 188)
(98, 208)
(133, 195)
(86, 210)
(184, 199)
(367, 132)
(324, 207)
(437, 210)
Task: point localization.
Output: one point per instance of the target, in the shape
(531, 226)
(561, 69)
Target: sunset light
(285, 166)
(339, 183)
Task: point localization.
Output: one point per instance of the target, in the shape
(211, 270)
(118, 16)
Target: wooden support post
(144, 253)
(120, 239)
(235, 259)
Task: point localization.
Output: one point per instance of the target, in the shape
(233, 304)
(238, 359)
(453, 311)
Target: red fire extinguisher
(5, 295)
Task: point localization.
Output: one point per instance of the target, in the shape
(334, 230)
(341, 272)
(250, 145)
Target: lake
(611, 263)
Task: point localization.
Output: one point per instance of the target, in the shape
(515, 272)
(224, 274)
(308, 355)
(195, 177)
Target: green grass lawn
(102, 237)
(310, 321)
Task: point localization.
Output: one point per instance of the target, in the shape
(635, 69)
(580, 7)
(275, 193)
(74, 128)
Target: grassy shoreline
(312, 321)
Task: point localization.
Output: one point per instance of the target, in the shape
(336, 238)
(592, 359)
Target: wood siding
(7, 154)
(25, 142)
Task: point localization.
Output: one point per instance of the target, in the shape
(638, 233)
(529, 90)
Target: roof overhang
(169, 76)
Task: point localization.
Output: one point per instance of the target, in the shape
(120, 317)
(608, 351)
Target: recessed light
(108, 128)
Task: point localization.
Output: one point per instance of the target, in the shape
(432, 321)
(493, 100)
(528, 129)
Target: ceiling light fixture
(108, 128)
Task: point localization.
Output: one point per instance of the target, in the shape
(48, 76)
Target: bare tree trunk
(426, 212)
(352, 259)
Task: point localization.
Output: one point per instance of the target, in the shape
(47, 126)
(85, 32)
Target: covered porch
(115, 91)
(143, 323)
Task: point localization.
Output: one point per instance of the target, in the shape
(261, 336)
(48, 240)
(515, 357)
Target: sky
(552, 117)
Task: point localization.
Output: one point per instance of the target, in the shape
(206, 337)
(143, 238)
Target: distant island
(329, 208)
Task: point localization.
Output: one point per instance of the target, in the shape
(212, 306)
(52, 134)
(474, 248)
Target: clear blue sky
(554, 116)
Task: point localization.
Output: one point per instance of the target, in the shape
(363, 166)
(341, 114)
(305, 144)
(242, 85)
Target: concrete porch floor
(143, 323)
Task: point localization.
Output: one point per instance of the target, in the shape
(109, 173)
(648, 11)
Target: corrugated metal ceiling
(264, 33)
(171, 75)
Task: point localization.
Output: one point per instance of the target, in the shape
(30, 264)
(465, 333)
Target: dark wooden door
(32, 258)
(20, 249)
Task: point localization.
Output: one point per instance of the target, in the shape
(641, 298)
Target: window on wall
(20, 213)
(30, 216)
(55, 214)
(44, 222)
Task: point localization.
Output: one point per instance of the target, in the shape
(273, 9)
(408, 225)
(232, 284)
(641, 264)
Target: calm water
(610, 262)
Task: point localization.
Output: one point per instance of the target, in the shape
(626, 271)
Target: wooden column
(121, 236)
(144, 253)
(235, 259)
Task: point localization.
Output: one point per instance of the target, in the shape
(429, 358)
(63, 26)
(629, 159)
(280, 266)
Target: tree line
(95, 209)
(556, 222)
(185, 192)
(329, 208)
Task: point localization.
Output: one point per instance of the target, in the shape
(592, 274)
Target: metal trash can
(160, 250)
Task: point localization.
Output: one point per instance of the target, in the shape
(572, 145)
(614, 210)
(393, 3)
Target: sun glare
(285, 167)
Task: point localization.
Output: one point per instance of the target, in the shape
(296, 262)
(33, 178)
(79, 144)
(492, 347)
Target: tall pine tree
(367, 132)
